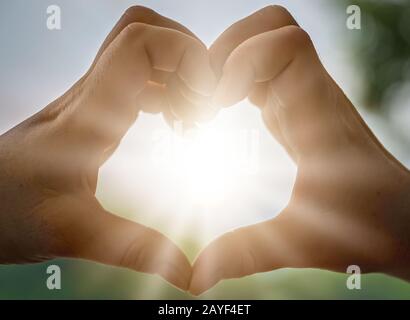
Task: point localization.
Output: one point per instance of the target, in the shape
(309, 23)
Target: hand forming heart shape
(346, 180)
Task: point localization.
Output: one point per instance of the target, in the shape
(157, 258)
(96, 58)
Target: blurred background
(37, 65)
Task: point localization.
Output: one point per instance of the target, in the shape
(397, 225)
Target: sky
(38, 65)
(195, 189)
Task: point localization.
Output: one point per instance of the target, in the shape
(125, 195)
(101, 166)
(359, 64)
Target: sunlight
(221, 175)
(193, 185)
(208, 161)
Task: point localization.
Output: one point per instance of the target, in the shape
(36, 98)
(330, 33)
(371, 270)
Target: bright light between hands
(209, 161)
(227, 173)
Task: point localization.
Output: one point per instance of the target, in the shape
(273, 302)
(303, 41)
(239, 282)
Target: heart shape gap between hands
(345, 178)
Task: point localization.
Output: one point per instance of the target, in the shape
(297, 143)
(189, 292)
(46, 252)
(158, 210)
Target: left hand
(49, 163)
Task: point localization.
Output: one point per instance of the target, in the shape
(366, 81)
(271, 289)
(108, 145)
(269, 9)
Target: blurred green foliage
(381, 49)
(87, 280)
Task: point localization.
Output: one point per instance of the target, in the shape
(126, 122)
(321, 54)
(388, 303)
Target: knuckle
(238, 57)
(134, 256)
(190, 44)
(275, 12)
(195, 45)
(135, 30)
(297, 36)
(140, 13)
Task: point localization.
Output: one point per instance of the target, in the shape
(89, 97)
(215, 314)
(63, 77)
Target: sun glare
(209, 160)
(225, 173)
(194, 185)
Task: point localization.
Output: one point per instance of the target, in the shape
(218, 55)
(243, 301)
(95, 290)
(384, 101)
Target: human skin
(350, 203)
(49, 163)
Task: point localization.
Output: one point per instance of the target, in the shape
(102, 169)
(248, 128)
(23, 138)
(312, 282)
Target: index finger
(143, 15)
(269, 18)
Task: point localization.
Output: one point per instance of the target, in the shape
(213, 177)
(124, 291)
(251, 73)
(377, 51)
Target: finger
(153, 99)
(252, 62)
(187, 105)
(273, 124)
(269, 18)
(133, 14)
(143, 15)
(299, 88)
(112, 240)
(190, 62)
(122, 73)
(303, 235)
(148, 16)
(258, 94)
(179, 127)
(285, 241)
(154, 49)
(236, 254)
(290, 240)
(171, 119)
(166, 50)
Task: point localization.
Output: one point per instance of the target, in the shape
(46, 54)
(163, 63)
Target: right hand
(350, 203)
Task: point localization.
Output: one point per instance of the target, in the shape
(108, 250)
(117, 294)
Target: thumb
(257, 248)
(116, 241)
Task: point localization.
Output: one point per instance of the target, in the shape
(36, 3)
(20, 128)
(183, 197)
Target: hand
(49, 163)
(350, 203)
